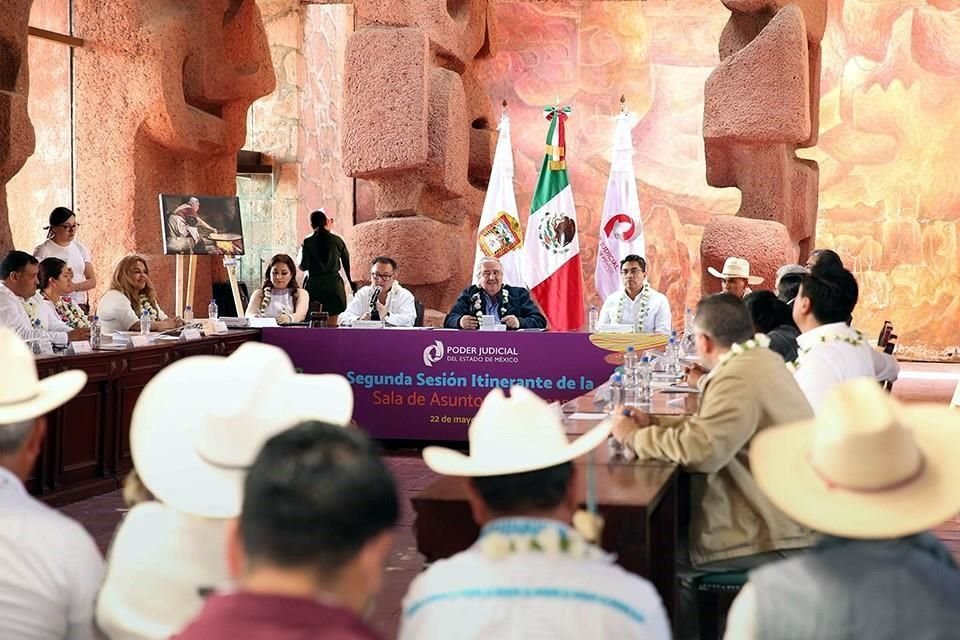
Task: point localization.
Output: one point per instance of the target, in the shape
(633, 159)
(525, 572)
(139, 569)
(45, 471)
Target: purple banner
(428, 385)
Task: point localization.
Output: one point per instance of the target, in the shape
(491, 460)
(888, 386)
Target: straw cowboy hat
(866, 467)
(514, 435)
(199, 423)
(736, 268)
(23, 395)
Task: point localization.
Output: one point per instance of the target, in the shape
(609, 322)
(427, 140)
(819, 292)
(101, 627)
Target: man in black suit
(510, 305)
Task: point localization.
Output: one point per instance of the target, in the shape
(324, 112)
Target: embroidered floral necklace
(854, 341)
(478, 307)
(265, 302)
(151, 309)
(508, 536)
(32, 312)
(70, 313)
(738, 348)
(644, 307)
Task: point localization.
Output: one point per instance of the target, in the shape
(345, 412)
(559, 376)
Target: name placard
(219, 326)
(80, 346)
(139, 341)
(189, 334)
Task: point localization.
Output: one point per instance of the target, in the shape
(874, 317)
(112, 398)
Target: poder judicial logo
(433, 353)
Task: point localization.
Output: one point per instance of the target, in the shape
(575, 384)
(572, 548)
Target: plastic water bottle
(145, 321)
(95, 332)
(672, 357)
(644, 375)
(688, 344)
(212, 312)
(630, 382)
(593, 317)
(188, 314)
(616, 392)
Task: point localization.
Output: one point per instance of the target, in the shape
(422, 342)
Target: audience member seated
(131, 292)
(62, 243)
(309, 549)
(393, 304)
(824, 258)
(772, 316)
(191, 458)
(19, 309)
(637, 303)
(279, 297)
(50, 567)
(830, 350)
(55, 299)
(788, 287)
(735, 277)
(873, 477)
(509, 305)
(733, 527)
(530, 574)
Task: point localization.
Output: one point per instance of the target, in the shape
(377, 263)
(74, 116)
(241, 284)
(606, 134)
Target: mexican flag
(621, 232)
(551, 247)
(499, 232)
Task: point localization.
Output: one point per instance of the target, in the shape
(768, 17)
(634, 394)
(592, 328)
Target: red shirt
(254, 616)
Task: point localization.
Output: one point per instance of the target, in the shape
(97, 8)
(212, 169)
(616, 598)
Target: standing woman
(55, 299)
(279, 297)
(322, 254)
(62, 243)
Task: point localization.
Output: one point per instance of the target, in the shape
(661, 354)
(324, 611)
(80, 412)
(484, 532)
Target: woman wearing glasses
(384, 299)
(62, 243)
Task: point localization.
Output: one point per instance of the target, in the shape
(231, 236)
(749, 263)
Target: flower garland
(152, 310)
(32, 312)
(737, 348)
(265, 301)
(644, 307)
(70, 313)
(505, 537)
(854, 341)
(478, 305)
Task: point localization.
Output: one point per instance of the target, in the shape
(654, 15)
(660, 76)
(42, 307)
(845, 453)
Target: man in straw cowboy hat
(530, 574)
(872, 476)
(309, 548)
(735, 277)
(50, 567)
(748, 389)
(196, 429)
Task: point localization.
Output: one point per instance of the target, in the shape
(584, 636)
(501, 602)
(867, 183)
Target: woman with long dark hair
(279, 297)
(322, 255)
(56, 295)
(62, 243)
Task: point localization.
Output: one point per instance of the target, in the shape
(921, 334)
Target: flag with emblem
(499, 233)
(551, 248)
(621, 231)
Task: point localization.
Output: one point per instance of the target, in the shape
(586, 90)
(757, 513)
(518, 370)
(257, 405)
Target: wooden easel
(229, 263)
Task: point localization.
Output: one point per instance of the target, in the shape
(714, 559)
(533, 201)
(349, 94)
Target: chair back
(418, 321)
(885, 333)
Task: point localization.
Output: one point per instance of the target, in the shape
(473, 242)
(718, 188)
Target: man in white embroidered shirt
(830, 351)
(637, 303)
(18, 273)
(383, 299)
(50, 568)
(530, 575)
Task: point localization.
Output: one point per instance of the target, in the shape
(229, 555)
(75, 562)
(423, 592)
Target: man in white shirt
(637, 301)
(830, 351)
(18, 309)
(393, 304)
(530, 574)
(50, 567)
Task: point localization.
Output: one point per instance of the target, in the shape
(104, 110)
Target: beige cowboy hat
(23, 395)
(735, 268)
(200, 422)
(866, 467)
(514, 435)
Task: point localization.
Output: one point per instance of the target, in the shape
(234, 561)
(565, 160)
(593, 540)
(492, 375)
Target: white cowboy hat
(736, 268)
(23, 395)
(866, 467)
(200, 422)
(514, 435)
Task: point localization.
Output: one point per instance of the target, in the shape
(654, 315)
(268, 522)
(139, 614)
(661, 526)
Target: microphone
(374, 314)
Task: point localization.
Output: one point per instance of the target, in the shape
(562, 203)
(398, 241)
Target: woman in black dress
(323, 253)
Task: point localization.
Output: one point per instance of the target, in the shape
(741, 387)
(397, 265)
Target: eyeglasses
(631, 272)
(69, 227)
(380, 276)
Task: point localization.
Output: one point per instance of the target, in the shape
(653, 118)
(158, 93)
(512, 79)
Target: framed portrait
(201, 225)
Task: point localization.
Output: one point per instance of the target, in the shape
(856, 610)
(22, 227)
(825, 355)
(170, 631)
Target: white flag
(499, 232)
(621, 231)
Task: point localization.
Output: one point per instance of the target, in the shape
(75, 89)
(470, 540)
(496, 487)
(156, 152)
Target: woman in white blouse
(62, 243)
(54, 303)
(130, 293)
(280, 297)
